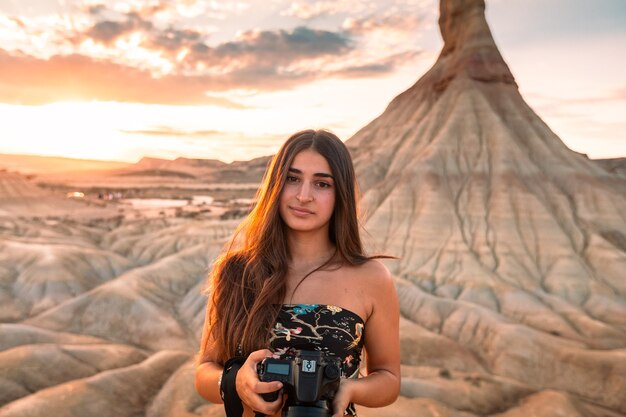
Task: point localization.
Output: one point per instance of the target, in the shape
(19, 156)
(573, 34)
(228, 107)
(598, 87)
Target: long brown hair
(248, 283)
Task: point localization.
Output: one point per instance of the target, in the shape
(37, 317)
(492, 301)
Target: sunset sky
(118, 80)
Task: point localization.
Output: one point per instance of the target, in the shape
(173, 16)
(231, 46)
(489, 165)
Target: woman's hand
(250, 388)
(342, 397)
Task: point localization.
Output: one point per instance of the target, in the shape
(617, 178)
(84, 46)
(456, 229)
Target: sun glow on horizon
(70, 129)
(127, 132)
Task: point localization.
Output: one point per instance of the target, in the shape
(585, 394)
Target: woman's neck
(309, 249)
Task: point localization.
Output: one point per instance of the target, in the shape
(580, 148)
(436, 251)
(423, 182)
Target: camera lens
(299, 411)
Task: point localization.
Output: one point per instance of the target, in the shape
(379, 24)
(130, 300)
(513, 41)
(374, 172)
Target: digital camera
(310, 380)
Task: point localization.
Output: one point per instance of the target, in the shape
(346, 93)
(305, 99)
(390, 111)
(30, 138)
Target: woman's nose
(304, 194)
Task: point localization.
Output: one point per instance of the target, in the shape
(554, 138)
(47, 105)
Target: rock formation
(512, 247)
(614, 165)
(109, 314)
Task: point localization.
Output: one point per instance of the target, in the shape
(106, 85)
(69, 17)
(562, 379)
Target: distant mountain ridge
(195, 169)
(148, 171)
(36, 164)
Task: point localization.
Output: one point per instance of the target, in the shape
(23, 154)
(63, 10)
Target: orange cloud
(257, 60)
(31, 81)
(129, 55)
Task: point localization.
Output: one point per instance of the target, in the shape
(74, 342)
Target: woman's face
(307, 200)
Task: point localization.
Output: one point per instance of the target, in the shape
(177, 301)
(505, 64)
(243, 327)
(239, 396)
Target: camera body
(310, 380)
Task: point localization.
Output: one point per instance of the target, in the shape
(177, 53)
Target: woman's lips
(300, 211)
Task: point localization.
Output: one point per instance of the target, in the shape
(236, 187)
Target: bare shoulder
(374, 273)
(375, 285)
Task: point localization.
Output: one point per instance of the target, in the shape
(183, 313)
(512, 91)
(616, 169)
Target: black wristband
(228, 387)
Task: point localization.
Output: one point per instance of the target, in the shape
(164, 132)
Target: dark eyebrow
(317, 174)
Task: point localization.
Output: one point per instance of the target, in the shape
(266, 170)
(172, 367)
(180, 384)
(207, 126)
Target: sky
(231, 80)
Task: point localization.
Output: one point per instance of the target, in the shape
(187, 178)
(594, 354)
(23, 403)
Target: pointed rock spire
(468, 45)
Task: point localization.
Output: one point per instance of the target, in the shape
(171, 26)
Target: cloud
(108, 31)
(618, 94)
(378, 67)
(580, 109)
(173, 39)
(391, 20)
(261, 60)
(187, 48)
(211, 142)
(94, 9)
(25, 79)
(31, 81)
(169, 131)
(126, 53)
(19, 22)
(308, 11)
(110, 25)
(283, 47)
(143, 10)
(168, 10)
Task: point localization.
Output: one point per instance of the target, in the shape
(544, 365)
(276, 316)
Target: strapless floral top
(327, 328)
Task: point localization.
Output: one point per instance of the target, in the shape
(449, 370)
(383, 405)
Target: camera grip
(270, 396)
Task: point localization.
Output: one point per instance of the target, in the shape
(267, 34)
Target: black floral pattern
(327, 328)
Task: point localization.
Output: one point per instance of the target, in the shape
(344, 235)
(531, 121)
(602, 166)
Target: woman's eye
(323, 184)
(291, 178)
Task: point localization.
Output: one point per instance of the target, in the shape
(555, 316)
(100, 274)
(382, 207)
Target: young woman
(295, 276)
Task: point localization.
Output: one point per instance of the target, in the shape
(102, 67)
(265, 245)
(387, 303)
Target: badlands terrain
(511, 270)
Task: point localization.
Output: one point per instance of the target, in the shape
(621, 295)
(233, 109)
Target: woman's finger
(342, 399)
(250, 388)
(267, 387)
